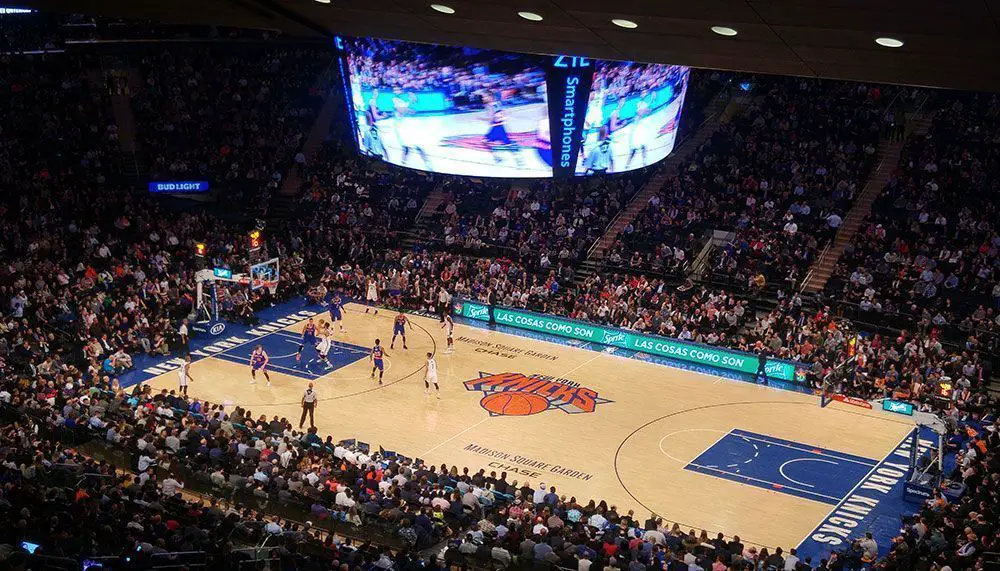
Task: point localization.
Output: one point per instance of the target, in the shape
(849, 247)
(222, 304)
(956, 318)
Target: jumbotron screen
(487, 113)
(632, 116)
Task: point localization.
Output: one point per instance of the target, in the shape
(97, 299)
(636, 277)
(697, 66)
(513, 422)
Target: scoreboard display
(489, 113)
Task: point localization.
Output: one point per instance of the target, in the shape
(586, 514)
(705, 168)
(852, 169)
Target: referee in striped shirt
(309, 406)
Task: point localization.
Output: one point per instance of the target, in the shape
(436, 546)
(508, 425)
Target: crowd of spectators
(233, 114)
(174, 441)
(93, 274)
(545, 224)
(930, 252)
(780, 176)
(551, 224)
(469, 77)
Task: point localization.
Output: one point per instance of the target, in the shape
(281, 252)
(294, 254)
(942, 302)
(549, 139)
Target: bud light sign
(179, 187)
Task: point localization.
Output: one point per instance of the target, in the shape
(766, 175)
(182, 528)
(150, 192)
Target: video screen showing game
(451, 110)
(632, 116)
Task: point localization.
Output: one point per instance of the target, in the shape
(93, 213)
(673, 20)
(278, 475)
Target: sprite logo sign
(773, 368)
(651, 344)
(614, 338)
(481, 313)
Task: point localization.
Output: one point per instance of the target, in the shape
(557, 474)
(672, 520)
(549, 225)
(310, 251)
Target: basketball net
(258, 283)
(832, 387)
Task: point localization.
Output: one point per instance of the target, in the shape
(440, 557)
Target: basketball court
(705, 451)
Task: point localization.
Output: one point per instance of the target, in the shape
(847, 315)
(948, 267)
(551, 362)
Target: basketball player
(399, 328)
(323, 348)
(372, 295)
(543, 138)
(497, 138)
(376, 358)
(615, 123)
(641, 132)
(373, 142)
(404, 134)
(595, 109)
(372, 113)
(431, 377)
(308, 338)
(337, 310)
(184, 374)
(600, 160)
(449, 328)
(258, 361)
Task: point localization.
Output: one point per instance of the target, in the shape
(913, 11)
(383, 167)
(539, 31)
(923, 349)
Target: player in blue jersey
(399, 328)
(258, 362)
(497, 137)
(376, 356)
(308, 338)
(336, 304)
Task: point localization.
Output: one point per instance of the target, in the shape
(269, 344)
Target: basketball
(514, 403)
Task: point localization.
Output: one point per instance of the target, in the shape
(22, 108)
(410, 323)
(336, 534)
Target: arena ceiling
(951, 43)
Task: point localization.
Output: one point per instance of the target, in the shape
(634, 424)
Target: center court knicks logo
(517, 394)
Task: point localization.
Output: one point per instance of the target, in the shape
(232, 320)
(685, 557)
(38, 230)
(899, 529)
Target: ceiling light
(443, 9)
(323, 1)
(530, 16)
(724, 31)
(889, 42)
(621, 23)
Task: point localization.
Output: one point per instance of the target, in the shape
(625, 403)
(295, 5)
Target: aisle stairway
(317, 135)
(426, 221)
(282, 203)
(720, 111)
(888, 159)
(121, 106)
(432, 203)
(133, 168)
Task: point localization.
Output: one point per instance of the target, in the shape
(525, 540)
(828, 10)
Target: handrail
(888, 108)
(854, 213)
(723, 94)
(819, 260)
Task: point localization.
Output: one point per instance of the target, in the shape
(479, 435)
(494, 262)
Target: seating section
(545, 224)
(232, 114)
(773, 176)
(927, 255)
(93, 272)
(551, 223)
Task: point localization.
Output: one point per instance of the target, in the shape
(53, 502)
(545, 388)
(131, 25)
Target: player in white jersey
(595, 109)
(323, 348)
(431, 376)
(407, 133)
(449, 327)
(372, 295)
(643, 130)
(184, 375)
